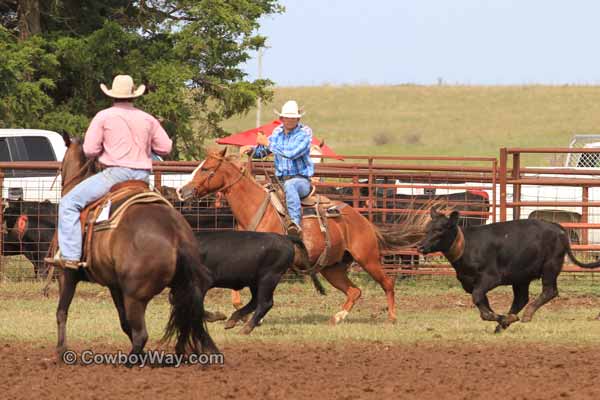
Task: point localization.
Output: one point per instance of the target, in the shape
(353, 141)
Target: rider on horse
(290, 142)
(122, 137)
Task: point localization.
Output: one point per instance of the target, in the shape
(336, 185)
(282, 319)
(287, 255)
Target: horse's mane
(88, 167)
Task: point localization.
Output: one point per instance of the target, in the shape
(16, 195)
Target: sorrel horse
(126, 260)
(353, 237)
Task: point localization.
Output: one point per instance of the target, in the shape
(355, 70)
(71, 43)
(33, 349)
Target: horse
(352, 236)
(126, 260)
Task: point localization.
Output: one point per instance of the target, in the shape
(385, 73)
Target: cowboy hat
(123, 88)
(289, 110)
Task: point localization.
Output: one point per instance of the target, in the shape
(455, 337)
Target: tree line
(55, 53)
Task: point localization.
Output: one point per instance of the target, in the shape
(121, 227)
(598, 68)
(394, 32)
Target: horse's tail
(302, 258)
(190, 284)
(399, 237)
(411, 229)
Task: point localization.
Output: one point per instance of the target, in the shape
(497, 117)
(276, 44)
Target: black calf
(506, 253)
(239, 259)
(30, 229)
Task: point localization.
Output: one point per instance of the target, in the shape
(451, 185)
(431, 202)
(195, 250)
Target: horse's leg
(236, 299)
(135, 311)
(372, 264)
(242, 312)
(337, 275)
(69, 281)
(117, 297)
(264, 302)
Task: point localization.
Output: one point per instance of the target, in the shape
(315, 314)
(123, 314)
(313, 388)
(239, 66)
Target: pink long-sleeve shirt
(124, 136)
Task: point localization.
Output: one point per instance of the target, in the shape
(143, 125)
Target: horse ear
(453, 220)
(322, 143)
(222, 152)
(66, 138)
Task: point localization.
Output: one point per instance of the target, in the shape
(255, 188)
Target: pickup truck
(31, 145)
(43, 145)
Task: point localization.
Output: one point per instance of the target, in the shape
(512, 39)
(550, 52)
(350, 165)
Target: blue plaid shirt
(292, 151)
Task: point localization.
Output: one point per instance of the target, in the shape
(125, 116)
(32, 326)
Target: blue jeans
(87, 191)
(295, 188)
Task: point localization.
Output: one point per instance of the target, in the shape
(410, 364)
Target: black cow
(30, 229)
(258, 260)
(505, 253)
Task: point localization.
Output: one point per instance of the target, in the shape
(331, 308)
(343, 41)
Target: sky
(472, 42)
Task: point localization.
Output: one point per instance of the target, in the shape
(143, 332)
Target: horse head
(214, 174)
(75, 166)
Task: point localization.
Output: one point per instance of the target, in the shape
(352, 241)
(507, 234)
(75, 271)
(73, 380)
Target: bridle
(204, 184)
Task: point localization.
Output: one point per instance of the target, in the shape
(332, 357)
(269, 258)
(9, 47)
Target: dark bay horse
(152, 248)
(353, 237)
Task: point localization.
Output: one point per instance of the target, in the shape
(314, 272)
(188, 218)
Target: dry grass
(429, 310)
(440, 120)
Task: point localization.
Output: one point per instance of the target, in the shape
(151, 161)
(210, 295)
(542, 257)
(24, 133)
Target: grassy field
(429, 310)
(439, 120)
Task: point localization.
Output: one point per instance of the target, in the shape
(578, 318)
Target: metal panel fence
(386, 190)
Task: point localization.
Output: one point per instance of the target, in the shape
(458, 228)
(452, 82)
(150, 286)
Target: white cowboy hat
(289, 110)
(123, 88)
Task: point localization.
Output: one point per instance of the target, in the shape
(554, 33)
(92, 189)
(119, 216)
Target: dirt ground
(336, 371)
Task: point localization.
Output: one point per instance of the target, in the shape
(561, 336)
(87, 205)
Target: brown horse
(151, 248)
(353, 237)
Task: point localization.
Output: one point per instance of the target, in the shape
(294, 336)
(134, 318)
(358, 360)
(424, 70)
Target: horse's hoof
(499, 328)
(214, 316)
(230, 323)
(338, 317)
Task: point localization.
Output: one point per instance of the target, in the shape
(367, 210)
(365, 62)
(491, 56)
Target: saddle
(313, 206)
(106, 213)
(312, 201)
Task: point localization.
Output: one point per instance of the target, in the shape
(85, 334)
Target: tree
(188, 53)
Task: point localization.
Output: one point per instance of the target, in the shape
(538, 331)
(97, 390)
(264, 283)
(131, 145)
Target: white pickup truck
(47, 146)
(31, 145)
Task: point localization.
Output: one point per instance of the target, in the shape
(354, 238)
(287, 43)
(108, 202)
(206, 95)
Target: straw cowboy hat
(123, 88)
(289, 110)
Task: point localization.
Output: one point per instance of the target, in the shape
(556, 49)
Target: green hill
(439, 120)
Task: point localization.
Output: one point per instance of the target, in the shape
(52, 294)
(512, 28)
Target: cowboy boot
(294, 229)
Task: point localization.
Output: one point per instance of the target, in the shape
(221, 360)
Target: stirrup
(294, 229)
(57, 260)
